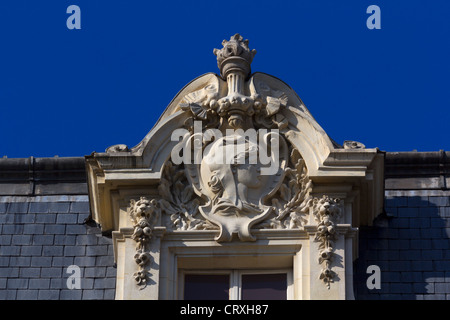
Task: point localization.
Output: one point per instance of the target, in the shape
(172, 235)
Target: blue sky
(71, 92)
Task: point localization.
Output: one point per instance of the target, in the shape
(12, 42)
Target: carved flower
(322, 230)
(143, 223)
(140, 277)
(142, 231)
(137, 233)
(331, 229)
(141, 258)
(325, 255)
(326, 227)
(327, 275)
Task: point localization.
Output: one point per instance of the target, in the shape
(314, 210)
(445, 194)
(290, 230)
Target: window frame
(235, 287)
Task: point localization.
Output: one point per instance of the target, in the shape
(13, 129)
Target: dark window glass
(264, 286)
(206, 286)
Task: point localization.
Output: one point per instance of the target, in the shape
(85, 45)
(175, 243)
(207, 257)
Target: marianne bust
(230, 179)
(232, 174)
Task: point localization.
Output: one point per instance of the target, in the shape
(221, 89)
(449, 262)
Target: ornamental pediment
(235, 157)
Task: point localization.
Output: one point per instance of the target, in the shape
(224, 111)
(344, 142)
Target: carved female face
(248, 174)
(232, 177)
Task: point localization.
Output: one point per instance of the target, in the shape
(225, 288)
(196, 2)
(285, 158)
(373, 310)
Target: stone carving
(202, 104)
(179, 201)
(271, 102)
(235, 189)
(291, 201)
(235, 195)
(144, 214)
(235, 55)
(117, 148)
(327, 212)
(348, 144)
(237, 109)
(231, 199)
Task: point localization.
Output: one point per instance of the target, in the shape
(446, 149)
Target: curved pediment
(284, 111)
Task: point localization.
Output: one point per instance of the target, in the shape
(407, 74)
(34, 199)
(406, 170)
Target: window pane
(264, 286)
(206, 286)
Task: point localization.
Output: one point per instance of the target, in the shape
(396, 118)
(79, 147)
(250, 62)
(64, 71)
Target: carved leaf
(293, 186)
(273, 106)
(186, 194)
(193, 206)
(164, 190)
(179, 201)
(285, 193)
(177, 176)
(278, 206)
(167, 207)
(295, 156)
(280, 121)
(177, 191)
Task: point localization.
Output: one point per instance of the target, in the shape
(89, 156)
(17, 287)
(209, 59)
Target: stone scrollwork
(327, 212)
(144, 214)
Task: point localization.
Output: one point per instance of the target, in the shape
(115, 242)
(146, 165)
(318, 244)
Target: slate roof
(45, 229)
